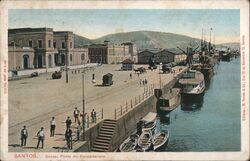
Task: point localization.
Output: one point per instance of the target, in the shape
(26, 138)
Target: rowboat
(145, 140)
(160, 140)
(149, 122)
(129, 144)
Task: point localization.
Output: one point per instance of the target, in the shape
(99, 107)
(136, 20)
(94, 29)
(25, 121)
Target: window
(71, 44)
(71, 57)
(54, 44)
(82, 57)
(39, 43)
(63, 45)
(30, 43)
(49, 42)
(20, 43)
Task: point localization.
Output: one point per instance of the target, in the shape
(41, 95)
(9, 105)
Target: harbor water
(213, 123)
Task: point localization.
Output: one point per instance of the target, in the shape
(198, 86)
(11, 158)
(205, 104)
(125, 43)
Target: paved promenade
(33, 101)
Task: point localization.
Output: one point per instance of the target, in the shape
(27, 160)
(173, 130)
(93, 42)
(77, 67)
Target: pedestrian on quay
(93, 116)
(143, 82)
(78, 131)
(24, 136)
(76, 114)
(138, 74)
(140, 82)
(68, 137)
(52, 127)
(41, 137)
(130, 75)
(146, 81)
(68, 122)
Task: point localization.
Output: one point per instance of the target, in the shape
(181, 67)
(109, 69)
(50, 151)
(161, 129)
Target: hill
(232, 45)
(149, 39)
(80, 41)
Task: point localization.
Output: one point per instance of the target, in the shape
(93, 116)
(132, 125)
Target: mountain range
(148, 39)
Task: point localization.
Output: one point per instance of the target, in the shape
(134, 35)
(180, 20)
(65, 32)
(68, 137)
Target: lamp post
(160, 74)
(83, 105)
(66, 54)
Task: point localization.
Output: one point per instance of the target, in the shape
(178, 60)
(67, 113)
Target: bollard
(102, 113)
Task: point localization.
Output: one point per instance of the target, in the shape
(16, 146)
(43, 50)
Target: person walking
(130, 75)
(68, 137)
(24, 136)
(76, 114)
(146, 81)
(93, 116)
(143, 83)
(41, 137)
(78, 131)
(140, 82)
(52, 127)
(68, 122)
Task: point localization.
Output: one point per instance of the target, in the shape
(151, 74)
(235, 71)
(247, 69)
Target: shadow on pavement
(15, 145)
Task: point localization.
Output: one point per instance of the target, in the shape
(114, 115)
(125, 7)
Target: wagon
(107, 79)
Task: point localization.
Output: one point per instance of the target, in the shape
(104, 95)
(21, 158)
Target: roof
(198, 77)
(128, 61)
(23, 30)
(149, 117)
(169, 95)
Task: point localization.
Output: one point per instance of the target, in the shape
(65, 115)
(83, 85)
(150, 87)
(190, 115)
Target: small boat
(160, 140)
(145, 140)
(192, 83)
(149, 121)
(170, 100)
(130, 144)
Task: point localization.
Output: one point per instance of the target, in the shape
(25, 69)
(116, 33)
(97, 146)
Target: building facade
(159, 56)
(47, 48)
(108, 53)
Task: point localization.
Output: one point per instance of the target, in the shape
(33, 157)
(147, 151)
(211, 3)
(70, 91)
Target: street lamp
(160, 74)
(66, 54)
(83, 105)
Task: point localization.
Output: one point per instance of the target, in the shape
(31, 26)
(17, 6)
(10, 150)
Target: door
(40, 61)
(25, 61)
(50, 61)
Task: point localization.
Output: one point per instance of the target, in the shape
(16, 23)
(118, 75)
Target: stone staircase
(105, 135)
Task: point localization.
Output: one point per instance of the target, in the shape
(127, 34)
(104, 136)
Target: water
(215, 124)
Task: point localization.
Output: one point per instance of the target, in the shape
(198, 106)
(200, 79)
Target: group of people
(143, 82)
(68, 132)
(40, 136)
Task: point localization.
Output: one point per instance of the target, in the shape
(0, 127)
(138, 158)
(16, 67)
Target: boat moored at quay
(192, 83)
(170, 100)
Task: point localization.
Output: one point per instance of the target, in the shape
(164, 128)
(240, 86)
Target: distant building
(159, 56)
(109, 53)
(43, 48)
(145, 55)
(127, 64)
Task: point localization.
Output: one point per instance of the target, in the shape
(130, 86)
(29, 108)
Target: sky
(94, 23)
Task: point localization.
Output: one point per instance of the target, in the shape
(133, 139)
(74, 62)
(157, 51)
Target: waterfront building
(160, 56)
(110, 53)
(43, 48)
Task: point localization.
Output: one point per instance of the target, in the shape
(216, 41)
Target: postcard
(124, 80)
